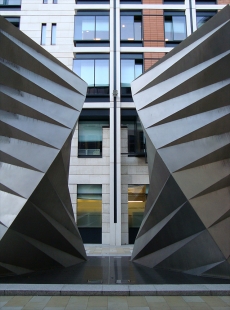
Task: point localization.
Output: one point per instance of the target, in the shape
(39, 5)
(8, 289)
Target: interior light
(130, 39)
(123, 26)
(87, 30)
(97, 39)
(166, 39)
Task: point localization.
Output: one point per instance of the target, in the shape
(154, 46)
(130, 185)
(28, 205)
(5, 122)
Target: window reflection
(96, 74)
(13, 20)
(91, 28)
(136, 139)
(90, 138)
(10, 2)
(175, 28)
(130, 70)
(203, 17)
(53, 33)
(43, 34)
(89, 206)
(137, 196)
(131, 28)
(127, 28)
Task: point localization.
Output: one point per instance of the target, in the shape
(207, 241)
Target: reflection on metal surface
(183, 104)
(40, 101)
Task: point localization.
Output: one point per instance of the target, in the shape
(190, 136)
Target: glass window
(89, 205)
(175, 28)
(203, 17)
(55, 1)
(137, 196)
(91, 28)
(102, 28)
(173, 1)
(14, 21)
(45, 1)
(90, 138)
(131, 28)
(96, 74)
(130, 70)
(43, 34)
(91, 1)
(10, 2)
(53, 34)
(205, 1)
(136, 139)
(130, 1)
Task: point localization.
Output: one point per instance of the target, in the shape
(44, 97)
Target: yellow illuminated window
(89, 205)
(137, 195)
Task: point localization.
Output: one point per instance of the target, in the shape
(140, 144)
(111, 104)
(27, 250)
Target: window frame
(130, 1)
(126, 94)
(43, 33)
(92, 1)
(136, 15)
(127, 116)
(97, 96)
(90, 194)
(11, 20)
(89, 115)
(203, 14)
(6, 4)
(200, 2)
(53, 34)
(168, 15)
(94, 41)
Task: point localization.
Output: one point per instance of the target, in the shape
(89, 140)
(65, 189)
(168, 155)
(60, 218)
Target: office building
(109, 43)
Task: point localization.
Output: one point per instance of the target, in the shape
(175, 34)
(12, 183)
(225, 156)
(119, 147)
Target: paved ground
(115, 265)
(108, 250)
(115, 302)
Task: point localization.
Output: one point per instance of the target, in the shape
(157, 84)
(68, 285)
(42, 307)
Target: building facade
(108, 44)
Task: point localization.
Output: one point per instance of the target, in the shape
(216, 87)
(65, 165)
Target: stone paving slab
(114, 290)
(114, 302)
(108, 250)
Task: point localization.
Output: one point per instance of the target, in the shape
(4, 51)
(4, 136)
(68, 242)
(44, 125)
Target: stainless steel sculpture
(40, 101)
(184, 104)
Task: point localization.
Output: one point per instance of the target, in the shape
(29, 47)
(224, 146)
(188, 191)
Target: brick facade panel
(152, 1)
(151, 58)
(153, 26)
(223, 1)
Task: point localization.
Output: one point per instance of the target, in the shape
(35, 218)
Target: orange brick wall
(153, 28)
(151, 58)
(152, 1)
(153, 32)
(223, 1)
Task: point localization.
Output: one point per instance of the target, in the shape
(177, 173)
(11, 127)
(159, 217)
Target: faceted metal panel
(40, 102)
(183, 102)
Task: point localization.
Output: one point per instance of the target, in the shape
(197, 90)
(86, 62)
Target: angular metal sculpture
(40, 101)
(184, 105)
